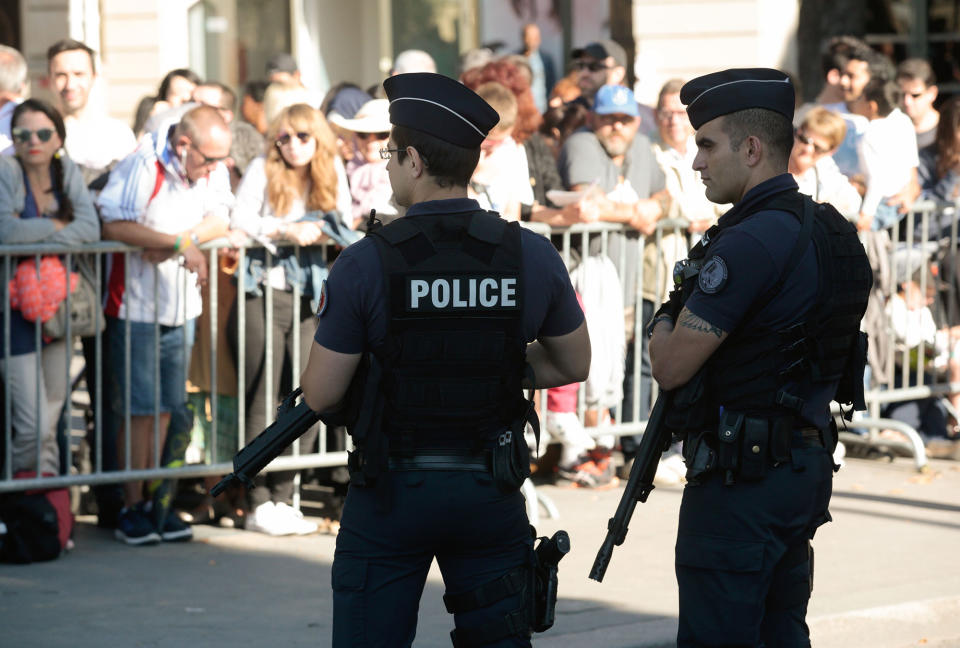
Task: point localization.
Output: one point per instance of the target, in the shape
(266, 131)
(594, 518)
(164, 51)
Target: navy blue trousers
(476, 533)
(742, 565)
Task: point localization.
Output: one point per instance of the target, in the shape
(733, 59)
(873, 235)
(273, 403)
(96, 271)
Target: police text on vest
(456, 293)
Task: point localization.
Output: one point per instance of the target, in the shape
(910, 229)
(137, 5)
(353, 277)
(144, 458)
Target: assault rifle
(293, 420)
(655, 441)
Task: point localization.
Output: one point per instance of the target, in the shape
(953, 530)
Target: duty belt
(442, 460)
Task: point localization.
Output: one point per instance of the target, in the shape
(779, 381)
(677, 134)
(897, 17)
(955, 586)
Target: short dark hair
(840, 49)
(448, 164)
(917, 69)
(256, 90)
(70, 45)
(187, 74)
(885, 93)
(770, 127)
(880, 66)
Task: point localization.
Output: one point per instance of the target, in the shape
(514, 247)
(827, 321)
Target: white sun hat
(373, 117)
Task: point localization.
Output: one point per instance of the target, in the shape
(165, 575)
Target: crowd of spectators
(286, 172)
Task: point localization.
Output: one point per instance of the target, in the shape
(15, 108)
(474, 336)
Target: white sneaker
(263, 519)
(290, 518)
(839, 454)
(671, 471)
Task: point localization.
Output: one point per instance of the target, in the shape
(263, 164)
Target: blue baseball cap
(615, 99)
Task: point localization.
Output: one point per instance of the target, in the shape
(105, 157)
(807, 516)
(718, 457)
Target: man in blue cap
(762, 335)
(448, 312)
(615, 166)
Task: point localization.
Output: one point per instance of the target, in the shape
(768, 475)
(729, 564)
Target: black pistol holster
(536, 582)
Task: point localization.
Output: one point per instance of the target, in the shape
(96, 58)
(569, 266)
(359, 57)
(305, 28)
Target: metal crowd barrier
(98, 475)
(575, 243)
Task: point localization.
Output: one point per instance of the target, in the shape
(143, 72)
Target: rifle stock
(656, 439)
(292, 422)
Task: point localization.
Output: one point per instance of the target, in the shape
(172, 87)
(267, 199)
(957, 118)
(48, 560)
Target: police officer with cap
(447, 314)
(761, 334)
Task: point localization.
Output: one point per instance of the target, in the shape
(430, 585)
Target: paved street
(887, 577)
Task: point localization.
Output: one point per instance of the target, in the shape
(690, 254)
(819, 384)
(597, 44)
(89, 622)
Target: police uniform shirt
(745, 262)
(355, 314)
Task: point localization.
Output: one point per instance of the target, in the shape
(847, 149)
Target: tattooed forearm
(691, 321)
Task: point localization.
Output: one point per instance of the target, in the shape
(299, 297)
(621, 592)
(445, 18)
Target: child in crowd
(916, 336)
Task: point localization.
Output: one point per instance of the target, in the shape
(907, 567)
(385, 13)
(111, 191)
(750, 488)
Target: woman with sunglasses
(370, 187)
(43, 199)
(815, 141)
(278, 201)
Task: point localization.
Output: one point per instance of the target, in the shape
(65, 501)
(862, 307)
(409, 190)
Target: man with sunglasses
(601, 63)
(614, 165)
(169, 196)
(457, 310)
(919, 86)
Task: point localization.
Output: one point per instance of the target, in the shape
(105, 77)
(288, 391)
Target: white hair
(413, 61)
(13, 70)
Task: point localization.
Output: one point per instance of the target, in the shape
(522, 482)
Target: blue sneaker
(175, 530)
(135, 527)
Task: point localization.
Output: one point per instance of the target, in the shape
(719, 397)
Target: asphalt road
(887, 577)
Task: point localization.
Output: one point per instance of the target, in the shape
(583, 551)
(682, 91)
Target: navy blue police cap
(721, 93)
(439, 106)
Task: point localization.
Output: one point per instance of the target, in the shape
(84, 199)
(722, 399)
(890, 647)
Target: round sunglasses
(284, 138)
(23, 135)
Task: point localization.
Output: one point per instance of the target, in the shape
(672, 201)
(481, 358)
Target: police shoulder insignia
(324, 299)
(713, 275)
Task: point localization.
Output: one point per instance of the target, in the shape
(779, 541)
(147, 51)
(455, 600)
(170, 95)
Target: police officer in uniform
(762, 334)
(449, 313)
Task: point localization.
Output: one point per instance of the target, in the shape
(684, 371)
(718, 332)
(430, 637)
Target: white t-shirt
(824, 183)
(888, 151)
(847, 155)
(503, 176)
(97, 140)
(6, 138)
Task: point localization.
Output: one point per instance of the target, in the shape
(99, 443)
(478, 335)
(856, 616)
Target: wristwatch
(656, 320)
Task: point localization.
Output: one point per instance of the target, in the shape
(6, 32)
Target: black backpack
(33, 528)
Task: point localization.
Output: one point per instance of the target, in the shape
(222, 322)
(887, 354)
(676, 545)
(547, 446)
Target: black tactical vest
(756, 371)
(454, 353)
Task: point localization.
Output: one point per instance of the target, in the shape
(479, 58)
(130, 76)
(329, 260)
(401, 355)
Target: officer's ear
(753, 150)
(416, 161)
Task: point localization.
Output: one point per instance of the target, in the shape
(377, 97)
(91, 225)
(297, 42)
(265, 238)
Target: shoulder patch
(713, 276)
(324, 299)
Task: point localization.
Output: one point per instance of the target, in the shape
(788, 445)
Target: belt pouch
(780, 439)
(511, 461)
(731, 424)
(753, 459)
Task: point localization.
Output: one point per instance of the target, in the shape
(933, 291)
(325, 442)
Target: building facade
(138, 41)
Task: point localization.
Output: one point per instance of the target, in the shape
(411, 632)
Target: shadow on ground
(226, 588)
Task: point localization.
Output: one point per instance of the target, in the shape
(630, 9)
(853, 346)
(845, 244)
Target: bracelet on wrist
(176, 243)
